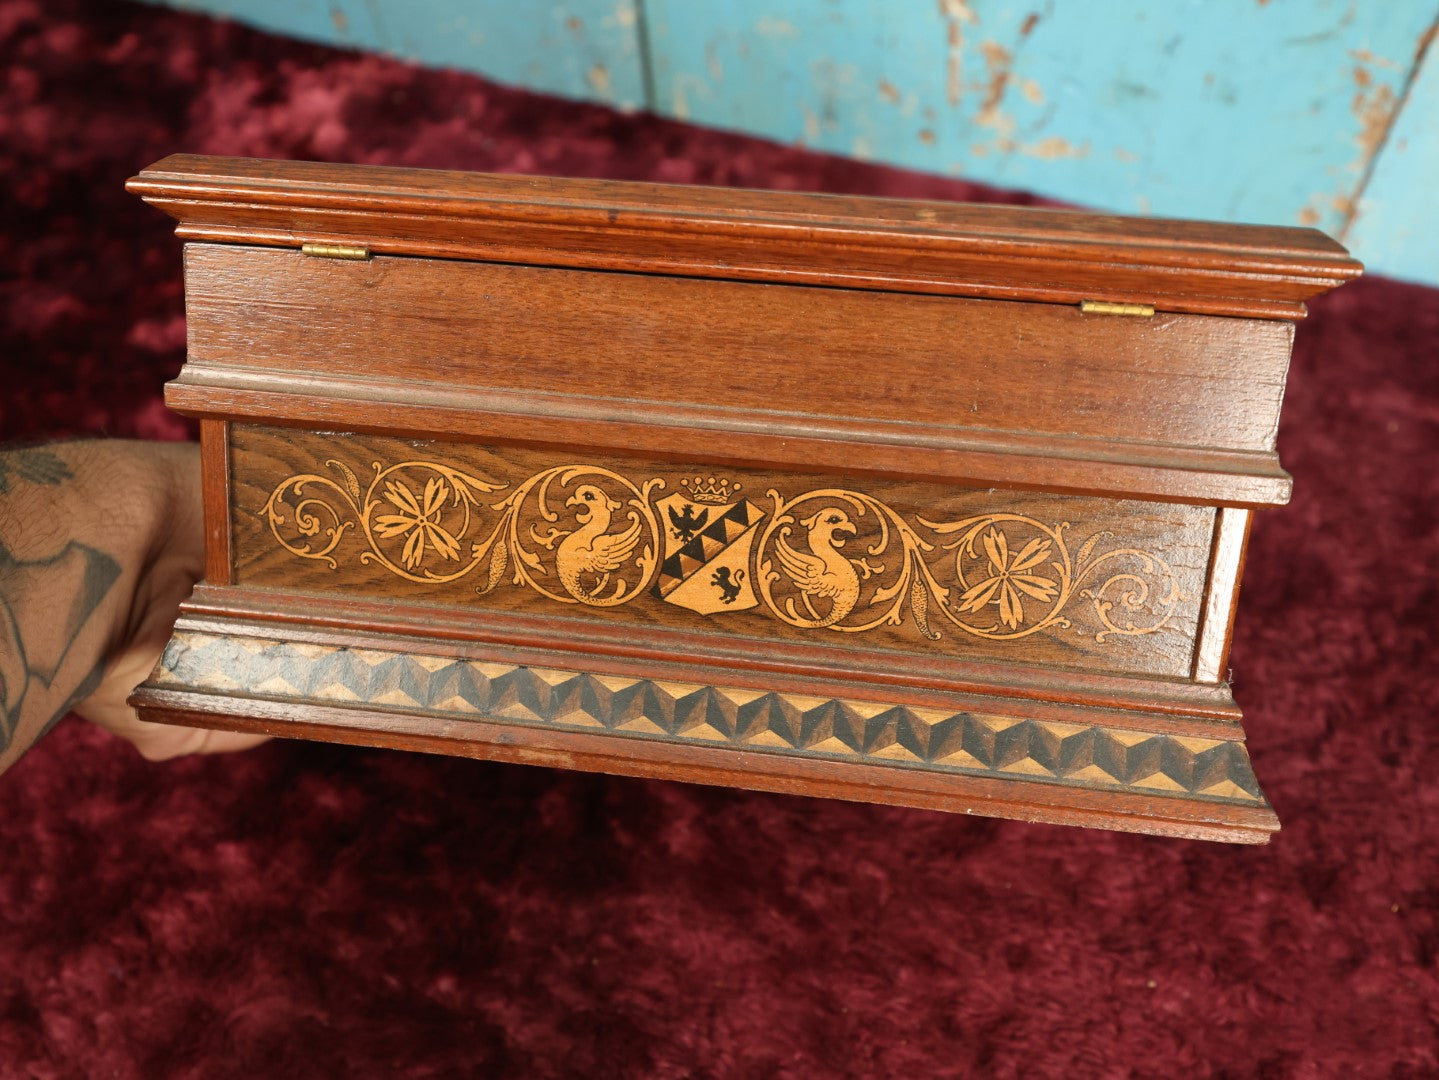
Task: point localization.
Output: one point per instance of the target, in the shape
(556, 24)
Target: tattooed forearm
(37, 465)
(54, 580)
(100, 543)
(45, 606)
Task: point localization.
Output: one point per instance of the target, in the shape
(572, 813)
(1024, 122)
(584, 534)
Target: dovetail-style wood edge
(1007, 765)
(1016, 253)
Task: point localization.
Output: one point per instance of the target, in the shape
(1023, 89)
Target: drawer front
(913, 571)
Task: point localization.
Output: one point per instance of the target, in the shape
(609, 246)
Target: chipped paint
(1055, 146)
(957, 9)
(956, 15)
(997, 61)
(1393, 226)
(1373, 105)
(1320, 207)
(1364, 56)
(624, 16)
(1272, 113)
(954, 81)
(1247, 118)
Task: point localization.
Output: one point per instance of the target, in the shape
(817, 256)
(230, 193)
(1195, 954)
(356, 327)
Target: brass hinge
(336, 251)
(1107, 307)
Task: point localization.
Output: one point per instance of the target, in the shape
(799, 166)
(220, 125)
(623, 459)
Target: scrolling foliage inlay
(585, 534)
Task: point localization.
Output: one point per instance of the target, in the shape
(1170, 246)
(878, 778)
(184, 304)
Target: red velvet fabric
(316, 911)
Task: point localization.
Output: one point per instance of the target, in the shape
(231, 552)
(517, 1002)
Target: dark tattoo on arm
(36, 465)
(37, 630)
(45, 605)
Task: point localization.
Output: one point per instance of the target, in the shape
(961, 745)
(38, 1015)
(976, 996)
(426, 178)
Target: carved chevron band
(1076, 755)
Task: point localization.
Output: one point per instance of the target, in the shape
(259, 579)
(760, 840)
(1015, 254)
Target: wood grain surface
(1083, 567)
(870, 465)
(897, 245)
(1032, 395)
(1226, 571)
(215, 489)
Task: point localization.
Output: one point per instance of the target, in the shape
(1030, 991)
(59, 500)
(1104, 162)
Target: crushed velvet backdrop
(317, 911)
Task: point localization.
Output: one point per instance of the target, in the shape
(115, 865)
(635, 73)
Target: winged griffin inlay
(827, 559)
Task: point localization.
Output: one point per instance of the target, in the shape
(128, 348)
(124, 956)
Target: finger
(162, 742)
(224, 742)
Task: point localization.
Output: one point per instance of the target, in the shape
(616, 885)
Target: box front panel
(909, 569)
(612, 345)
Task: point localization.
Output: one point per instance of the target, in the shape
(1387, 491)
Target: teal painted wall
(1397, 218)
(1322, 112)
(587, 49)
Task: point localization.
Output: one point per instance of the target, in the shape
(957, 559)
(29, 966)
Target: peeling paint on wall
(1239, 109)
(955, 15)
(1251, 112)
(1055, 146)
(1373, 107)
(1392, 222)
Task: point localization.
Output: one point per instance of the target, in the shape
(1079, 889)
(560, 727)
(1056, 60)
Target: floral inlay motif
(417, 518)
(1011, 580)
(831, 559)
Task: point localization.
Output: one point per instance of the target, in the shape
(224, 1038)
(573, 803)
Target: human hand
(99, 544)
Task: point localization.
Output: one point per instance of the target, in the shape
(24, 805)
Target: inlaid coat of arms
(834, 559)
(709, 535)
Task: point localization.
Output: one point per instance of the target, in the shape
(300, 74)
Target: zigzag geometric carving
(1082, 755)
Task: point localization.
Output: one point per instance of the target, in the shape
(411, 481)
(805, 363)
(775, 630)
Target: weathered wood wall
(1318, 112)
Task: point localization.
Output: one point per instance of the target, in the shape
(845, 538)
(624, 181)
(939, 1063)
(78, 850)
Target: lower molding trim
(1007, 765)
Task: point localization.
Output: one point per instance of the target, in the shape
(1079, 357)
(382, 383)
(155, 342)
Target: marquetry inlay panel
(1031, 577)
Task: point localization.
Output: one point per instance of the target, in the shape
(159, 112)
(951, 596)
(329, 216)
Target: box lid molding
(998, 252)
(1012, 460)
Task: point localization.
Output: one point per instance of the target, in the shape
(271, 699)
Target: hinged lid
(1019, 253)
(984, 346)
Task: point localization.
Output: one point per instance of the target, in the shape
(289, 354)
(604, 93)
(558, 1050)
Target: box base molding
(987, 757)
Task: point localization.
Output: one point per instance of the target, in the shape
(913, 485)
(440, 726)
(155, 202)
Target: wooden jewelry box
(905, 502)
